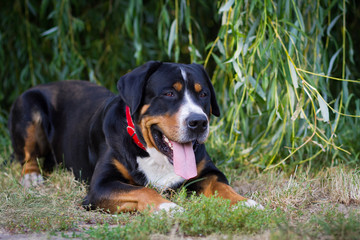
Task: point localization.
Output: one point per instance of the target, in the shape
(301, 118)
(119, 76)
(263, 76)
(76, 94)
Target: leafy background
(285, 72)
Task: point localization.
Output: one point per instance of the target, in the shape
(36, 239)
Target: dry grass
(342, 185)
(55, 206)
(333, 187)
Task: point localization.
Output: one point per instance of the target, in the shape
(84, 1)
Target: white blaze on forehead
(183, 73)
(189, 106)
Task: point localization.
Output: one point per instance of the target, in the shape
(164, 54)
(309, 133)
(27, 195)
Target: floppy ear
(131, 85)
(214, 105)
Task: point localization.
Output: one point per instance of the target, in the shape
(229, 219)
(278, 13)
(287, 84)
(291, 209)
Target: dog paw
(170, 207)
(32, 180)
(250, 204)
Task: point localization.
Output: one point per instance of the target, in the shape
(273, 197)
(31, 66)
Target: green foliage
(282, 70)
(280, 108)
(97, 41)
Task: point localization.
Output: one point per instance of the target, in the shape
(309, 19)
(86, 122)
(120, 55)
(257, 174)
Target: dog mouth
(163, 144)
(180, 155)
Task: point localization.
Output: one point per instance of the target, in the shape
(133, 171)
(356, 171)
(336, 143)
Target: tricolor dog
(152, 132)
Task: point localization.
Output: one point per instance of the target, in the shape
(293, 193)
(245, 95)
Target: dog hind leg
(31, 171)
(28, 137)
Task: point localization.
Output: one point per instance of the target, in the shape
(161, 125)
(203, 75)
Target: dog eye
(203, 94)
(169, 94)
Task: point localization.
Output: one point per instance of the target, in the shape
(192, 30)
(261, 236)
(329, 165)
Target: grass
(300, 206)
(53, 207)
(327, 224)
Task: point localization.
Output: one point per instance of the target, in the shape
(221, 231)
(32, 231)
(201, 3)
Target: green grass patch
(201, 217)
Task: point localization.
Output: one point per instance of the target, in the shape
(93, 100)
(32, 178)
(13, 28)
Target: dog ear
(131, 85)
(214, 105)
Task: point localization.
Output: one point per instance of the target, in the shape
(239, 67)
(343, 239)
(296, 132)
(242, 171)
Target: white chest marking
(158, 171)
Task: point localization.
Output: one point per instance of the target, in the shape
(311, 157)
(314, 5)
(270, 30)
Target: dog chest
(158, 170)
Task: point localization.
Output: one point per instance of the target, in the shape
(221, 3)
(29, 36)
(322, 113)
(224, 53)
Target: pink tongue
(184, 160)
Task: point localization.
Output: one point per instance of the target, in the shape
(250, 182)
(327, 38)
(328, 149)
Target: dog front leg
(211, 185)
(118, 197)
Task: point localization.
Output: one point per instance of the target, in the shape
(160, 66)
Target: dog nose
(197, 123)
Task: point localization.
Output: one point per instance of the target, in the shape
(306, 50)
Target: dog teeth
(166, 140)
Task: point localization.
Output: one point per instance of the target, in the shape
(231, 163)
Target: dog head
(171, 105)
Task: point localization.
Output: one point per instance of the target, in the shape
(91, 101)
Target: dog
(151, 133)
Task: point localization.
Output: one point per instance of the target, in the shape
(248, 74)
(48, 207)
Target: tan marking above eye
(178, 86)
(197, 87)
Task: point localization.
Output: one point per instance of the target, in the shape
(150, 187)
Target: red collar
(131, 129)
